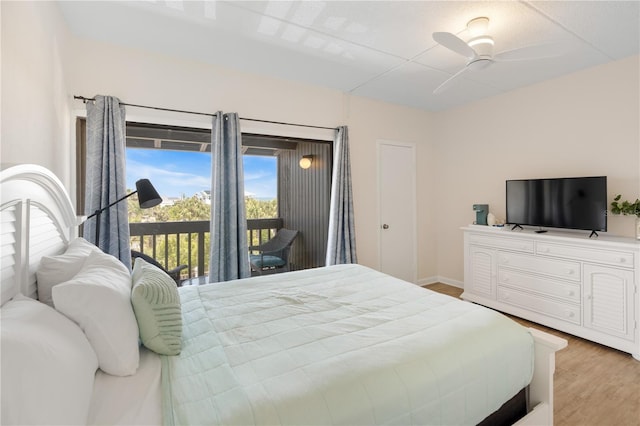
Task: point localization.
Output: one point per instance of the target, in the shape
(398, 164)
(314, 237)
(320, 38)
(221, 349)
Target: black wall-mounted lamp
(147, 197)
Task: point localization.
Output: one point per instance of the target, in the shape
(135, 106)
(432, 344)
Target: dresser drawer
(544, 286)
(502, 243)
(540, 265)
(609, 257)
(542, 305)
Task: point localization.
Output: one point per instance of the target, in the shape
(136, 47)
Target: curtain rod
(84, 99)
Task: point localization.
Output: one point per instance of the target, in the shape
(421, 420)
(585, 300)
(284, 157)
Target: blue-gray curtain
(341, 244)
(106, 178)
(229, 253)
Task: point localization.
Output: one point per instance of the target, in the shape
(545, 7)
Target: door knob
(385, 226)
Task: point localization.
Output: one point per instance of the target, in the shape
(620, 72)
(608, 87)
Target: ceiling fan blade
(447, 83)
(527, 53)
(455, 43)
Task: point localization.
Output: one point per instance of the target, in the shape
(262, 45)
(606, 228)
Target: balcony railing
(187, 243)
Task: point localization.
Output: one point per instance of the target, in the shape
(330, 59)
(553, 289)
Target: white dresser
(584, 286)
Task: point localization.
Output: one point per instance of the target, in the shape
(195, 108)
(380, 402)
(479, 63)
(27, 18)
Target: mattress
(340, 345)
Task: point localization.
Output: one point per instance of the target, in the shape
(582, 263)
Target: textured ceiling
(378, 49)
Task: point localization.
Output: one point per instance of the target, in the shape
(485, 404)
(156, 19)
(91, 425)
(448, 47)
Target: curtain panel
(341, 244)
(229, 251)
(106, 177)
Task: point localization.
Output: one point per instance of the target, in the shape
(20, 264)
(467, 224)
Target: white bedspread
(340, 345)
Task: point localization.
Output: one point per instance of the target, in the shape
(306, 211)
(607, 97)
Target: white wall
(34, 110)
(370, 121)
(583, 124)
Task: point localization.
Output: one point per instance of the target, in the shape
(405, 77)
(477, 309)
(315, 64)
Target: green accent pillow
(156, 303)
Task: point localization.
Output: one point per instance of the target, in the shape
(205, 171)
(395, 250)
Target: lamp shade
(305, 161)
(147, 195)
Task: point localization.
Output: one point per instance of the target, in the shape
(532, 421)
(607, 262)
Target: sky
(178, 173)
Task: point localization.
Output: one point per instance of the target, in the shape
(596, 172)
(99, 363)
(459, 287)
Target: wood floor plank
(594, 385)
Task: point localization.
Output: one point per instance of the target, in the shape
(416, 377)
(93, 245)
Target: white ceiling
(378, 49)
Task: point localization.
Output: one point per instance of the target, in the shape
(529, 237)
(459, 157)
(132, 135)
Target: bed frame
(38, 219)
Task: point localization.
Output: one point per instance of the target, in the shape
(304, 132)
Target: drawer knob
(571, 293)
(570, 271)
(623, 260)
(570, 314)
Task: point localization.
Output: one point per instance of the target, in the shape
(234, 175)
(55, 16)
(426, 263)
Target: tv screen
(573, 203)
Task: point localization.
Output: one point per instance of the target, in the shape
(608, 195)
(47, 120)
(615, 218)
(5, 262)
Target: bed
(337, 345)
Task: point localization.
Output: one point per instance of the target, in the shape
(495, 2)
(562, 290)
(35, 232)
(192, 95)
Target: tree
(194, 208)
(260, 209)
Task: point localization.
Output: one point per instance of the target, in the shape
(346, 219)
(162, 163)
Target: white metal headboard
(37, 219)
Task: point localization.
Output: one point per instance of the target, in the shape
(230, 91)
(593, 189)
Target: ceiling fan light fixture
(478, 26)
(479, 50)
(485, 39)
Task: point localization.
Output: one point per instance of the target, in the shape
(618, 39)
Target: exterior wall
(304, 200)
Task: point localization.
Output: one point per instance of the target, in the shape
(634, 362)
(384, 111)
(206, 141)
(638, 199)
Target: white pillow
(48, 366)
(54, 270)
(98, 299)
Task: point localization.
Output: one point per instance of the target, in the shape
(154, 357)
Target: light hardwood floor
(594, 384)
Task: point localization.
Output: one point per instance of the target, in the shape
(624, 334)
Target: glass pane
(261, 186)
(175, 232)
(181, 178)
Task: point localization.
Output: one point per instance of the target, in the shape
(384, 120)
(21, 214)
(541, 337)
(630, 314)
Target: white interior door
(397, 198)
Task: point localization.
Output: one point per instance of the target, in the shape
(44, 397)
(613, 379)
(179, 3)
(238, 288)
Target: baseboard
(437, 279)
(426, 281)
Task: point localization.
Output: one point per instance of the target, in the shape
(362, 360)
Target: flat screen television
(571, 203)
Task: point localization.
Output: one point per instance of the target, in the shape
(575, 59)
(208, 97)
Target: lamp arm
(97, 212)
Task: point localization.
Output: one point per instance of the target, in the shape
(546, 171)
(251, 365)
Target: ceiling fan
(479, 50)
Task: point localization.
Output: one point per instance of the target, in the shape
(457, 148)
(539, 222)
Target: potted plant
(627, 208)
